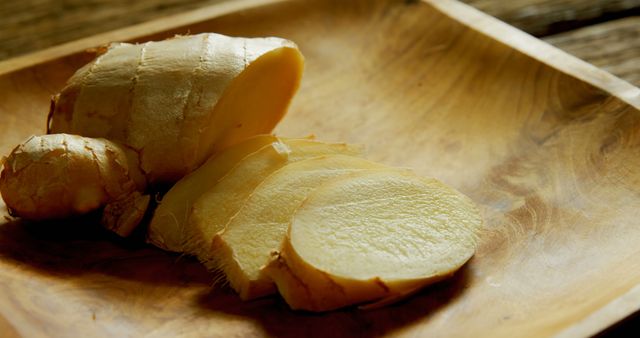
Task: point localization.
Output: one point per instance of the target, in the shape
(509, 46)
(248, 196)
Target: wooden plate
(547, 145)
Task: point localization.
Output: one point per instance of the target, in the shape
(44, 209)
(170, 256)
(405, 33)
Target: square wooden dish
(547, 145)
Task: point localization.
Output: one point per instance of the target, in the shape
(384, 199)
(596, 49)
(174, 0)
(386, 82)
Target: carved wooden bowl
(547, 145)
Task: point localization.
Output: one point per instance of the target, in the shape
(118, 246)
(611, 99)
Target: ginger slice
(179, 101)
(373, 236)
(211, 212)
(246, 243)
(167, 227)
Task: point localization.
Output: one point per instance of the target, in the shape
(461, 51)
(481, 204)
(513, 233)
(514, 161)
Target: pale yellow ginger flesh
(57, 176)
(179, 101)
(371, 237)
(211, 212)
(167, 227)
(246, 243)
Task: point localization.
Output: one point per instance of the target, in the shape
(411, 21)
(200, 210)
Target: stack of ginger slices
(317, 223)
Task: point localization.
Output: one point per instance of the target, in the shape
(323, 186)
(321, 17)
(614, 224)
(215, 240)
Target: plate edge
(538, 49)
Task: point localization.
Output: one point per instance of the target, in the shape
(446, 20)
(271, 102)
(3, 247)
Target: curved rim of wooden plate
(618, 309)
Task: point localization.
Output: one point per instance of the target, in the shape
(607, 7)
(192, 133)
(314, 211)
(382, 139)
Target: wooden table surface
(605, 33)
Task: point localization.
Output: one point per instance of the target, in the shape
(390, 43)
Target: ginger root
(161, 109)
(179, 101)
(308, 219)
(59, 175)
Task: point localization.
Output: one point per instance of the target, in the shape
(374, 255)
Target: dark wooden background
(605, 33)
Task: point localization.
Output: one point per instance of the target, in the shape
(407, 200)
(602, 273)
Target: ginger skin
(58, 175)
(179, 101)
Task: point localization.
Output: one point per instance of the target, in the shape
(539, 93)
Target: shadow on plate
(73, 248)
(82, 251)
(275, 317)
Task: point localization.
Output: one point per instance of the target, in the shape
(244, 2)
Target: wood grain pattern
(30, 25)
(620, 53)
(36, 24)
(547, 145)
(545, 17)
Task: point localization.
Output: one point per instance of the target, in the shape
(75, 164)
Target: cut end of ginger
(215, 207)
(373, 236)
(167, 227)
(258, 228)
